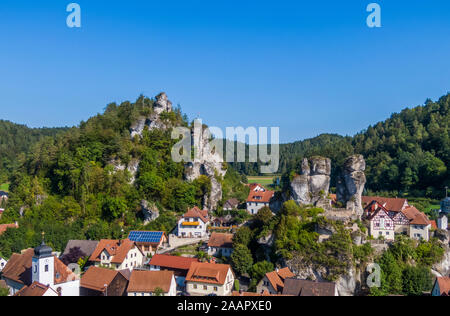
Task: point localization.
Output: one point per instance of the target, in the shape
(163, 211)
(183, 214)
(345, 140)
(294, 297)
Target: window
(195, 286)
(46, 268)
(215, 289)
(205, 287)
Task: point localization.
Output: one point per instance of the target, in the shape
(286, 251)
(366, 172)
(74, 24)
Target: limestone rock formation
(207, 162)
(351, 182)
(153, 121)
(312, 186)
(132, 167)
(150, 212)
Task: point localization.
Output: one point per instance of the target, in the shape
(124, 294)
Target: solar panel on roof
(143, 236)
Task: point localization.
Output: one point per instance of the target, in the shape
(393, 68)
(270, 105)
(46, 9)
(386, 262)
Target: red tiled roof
(118, 250)
(276, 278)
(444, 285)
(433, 224)
(149, 281)
(220, 240)
(208, 273)
(4, 227)
(260, 197)
(35, 289)
(95, 278)
(415, 216)
(195, 212)
(250, 294)
(391, 204)
(18, 269)
(172, 262)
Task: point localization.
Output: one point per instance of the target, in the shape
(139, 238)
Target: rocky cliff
(207, 162)
(351, 182)
(312, 186)
(153, 120)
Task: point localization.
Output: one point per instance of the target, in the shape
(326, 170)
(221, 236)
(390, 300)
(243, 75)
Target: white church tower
(43, 265)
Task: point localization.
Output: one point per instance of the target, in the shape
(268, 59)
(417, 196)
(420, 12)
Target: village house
(193, 224)
(419, 224)
(36, 289)
(258, 198)
(38, 268)
(406, 219)
(225, 222)
(117, 254)
(220, 245)
(231, 204)
(178, 265)
(87, 247)
(441, 287)
(394, 205)
(104, 282)
(150, 283)
(296, 287)
(273, 282)
(209, 279)
(149, 242)
(3, 263)
(381, 225)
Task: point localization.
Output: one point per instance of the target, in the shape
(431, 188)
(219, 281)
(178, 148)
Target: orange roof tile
(149, 281)
(195, 212)
(18, 269)
(276, 278)
(260, 197)
(4, 227)
(444, 285)
(220, 240)
(208, 273)
(391, 204)
(415, 216)
(95, 278)
(172, 262)
(35, 289)
(117, 249)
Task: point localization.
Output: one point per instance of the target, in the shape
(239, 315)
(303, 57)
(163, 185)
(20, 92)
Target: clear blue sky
(308, 67)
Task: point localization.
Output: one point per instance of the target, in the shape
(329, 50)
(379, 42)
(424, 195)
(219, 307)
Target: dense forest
(408, 154)
(75, 185)
(16, 141)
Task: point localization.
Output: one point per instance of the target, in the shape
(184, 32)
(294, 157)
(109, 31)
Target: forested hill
(409, 153)
(16, 141)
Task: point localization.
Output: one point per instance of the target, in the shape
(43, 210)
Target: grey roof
(43, 251)
(86, 246)
(232, 202)
(298, 287)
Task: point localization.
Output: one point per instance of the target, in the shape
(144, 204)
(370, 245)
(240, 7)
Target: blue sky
(308, 67)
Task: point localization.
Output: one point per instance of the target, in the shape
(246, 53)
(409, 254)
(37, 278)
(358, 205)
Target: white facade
(43, 271)
(254, 207)
(134, 259)
(191, 228)
(442, 222)
(419, 232)
(3, 263)
(203, 289)
(220, 251)
(172, 290)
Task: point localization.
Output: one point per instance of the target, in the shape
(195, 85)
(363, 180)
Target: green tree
(241, 259)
